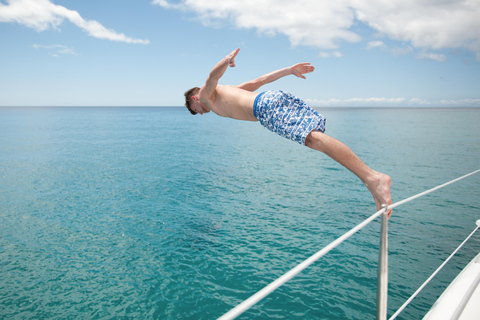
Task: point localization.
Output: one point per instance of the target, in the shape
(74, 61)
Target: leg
(377, 183)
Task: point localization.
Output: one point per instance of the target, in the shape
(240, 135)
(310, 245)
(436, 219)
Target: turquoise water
(150, 213)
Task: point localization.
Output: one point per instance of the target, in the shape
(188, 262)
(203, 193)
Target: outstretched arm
(217, 72)
(298, 70)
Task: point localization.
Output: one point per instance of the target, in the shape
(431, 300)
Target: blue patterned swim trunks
(287, 115)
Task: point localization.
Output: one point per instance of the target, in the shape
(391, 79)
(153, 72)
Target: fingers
(307, 67)
(232, 57)
(301, 68)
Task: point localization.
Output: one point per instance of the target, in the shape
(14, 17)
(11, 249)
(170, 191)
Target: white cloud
(373, 101)
(43, 14)
(334, 54)
(417, 101)
(420, 24)
(425, 24)
(432, 56)
(401, 51)
(166, 4)
(462, 102)
(320, 24)
(375, 44)
(391, 102)
(55, 50)
(405, 50)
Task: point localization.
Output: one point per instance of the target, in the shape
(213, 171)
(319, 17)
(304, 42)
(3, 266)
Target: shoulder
(205, 94)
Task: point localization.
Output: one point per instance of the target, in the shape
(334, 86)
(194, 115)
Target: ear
(194, 98)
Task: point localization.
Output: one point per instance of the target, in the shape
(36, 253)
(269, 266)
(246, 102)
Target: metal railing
(434, 274)
(382, 280)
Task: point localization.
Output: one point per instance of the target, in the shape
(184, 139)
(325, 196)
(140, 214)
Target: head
(188, 98)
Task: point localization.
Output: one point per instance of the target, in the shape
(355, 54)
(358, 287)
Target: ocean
(151, 213)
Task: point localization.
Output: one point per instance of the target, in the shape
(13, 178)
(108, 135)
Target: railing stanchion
(382, 279)
(382, 287)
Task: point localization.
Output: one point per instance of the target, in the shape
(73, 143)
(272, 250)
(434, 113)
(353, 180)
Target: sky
(407, 53)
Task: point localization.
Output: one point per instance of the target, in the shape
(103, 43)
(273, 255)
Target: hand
(301, 68)
(231, 58)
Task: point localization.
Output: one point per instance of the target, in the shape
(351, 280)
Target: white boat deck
(461, 299)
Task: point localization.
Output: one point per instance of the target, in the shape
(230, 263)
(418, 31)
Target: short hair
(188, 98)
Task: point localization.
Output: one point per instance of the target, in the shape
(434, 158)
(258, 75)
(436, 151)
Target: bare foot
(379, 186)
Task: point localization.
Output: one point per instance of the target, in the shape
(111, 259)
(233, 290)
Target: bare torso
(232, 102)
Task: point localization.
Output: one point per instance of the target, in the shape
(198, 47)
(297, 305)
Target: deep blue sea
(151, 213)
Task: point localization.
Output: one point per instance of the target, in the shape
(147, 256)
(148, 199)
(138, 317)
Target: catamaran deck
(461, 299)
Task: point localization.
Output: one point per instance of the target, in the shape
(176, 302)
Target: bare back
(232, 102)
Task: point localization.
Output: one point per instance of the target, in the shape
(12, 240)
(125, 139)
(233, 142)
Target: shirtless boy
(284, 114)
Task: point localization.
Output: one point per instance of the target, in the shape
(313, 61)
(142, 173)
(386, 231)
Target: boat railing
(382, 279)
(434, 273)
